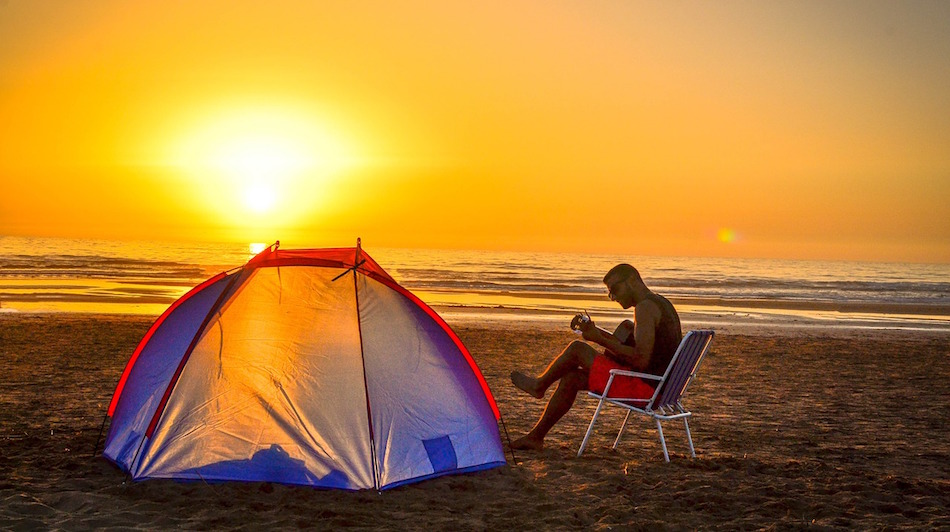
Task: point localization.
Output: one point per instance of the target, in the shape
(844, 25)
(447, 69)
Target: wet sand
(840, 429)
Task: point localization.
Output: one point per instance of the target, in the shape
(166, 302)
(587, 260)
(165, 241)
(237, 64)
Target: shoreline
(758, 321)
(83, 295)
(723, 303)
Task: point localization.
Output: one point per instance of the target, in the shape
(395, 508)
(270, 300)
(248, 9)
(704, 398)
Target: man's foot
(526, 384)
(527, 443)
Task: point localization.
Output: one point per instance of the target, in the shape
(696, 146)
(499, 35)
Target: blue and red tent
(309, 367)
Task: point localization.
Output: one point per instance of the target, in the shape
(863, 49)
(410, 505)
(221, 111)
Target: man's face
(618, 289)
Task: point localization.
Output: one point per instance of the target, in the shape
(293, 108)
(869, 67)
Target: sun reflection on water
(256, 247)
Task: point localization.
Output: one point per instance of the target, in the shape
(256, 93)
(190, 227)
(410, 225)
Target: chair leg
(689, 438)
(591, 427)
(622, 426)
(659, 428)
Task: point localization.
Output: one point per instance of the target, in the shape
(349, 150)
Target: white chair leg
(689, 438)
(591, 427)
(659, 427)
(622, 426)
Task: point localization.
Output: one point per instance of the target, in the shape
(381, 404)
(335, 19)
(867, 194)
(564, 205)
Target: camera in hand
(578, 320)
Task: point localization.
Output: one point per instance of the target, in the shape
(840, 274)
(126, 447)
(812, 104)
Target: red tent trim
(151, 331)
(336, 257)
(448, 330)
(184, 359)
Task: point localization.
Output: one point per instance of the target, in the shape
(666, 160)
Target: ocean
(64, 275)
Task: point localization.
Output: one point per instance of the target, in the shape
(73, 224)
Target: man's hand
(579, 321)
(589, 330)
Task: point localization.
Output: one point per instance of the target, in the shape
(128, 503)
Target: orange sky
(776, 129)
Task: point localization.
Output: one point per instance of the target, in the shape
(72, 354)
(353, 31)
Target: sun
(260, 198)
(261, 166)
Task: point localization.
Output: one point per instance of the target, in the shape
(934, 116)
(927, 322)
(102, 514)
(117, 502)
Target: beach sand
(838, 430)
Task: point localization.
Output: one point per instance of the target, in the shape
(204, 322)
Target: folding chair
(665, 403)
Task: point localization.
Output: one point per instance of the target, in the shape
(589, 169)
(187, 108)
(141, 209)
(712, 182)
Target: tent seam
(181, 367)
(369, 409)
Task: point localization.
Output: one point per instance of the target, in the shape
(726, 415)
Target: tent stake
(99, 437)
(510, 448)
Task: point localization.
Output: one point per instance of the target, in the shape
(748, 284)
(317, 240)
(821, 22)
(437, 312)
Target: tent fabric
(308, 367)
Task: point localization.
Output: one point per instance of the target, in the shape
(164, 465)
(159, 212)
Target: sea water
(63, 275)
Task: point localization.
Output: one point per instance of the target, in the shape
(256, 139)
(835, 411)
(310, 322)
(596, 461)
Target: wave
(94, 267)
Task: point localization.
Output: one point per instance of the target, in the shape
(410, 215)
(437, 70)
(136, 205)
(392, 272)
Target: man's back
(667, 337)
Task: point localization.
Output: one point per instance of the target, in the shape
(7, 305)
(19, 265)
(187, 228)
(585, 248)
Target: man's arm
(646, 317)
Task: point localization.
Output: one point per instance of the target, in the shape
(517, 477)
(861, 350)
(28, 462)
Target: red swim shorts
(630, 387)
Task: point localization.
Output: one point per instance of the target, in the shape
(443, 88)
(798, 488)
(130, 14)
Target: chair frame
(665, 404)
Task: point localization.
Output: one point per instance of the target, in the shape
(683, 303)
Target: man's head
(624, 285)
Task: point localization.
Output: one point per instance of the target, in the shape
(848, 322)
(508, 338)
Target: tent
(309, 367)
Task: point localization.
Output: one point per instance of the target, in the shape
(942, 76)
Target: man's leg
(560, 403)
(571, 368)
(577, 355)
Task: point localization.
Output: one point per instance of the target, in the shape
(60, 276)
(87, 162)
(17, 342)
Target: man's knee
(575, 344)
(582, 353)
(578, 347)
(575, 380)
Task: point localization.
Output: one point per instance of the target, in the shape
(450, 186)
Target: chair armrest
(626, 373)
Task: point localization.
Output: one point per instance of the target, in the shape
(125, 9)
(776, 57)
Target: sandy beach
(792, 429)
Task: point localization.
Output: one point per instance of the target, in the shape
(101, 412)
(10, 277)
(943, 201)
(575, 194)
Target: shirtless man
(646, 344)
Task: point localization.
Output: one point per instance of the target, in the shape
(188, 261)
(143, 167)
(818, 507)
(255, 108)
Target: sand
(792, 430)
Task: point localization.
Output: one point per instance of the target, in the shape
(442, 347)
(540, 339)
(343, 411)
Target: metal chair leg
(659, 427)
(622, 426)
(591, 427)
(689, 438)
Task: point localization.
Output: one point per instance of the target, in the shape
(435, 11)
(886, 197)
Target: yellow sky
(778, 129)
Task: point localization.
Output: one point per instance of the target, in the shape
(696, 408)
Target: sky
(786, 129)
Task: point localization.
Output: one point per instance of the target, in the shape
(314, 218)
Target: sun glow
(263, 167)
(254, 156)
(260, 198)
